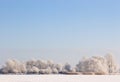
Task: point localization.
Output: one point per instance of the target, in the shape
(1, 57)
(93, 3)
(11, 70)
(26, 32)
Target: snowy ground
(59, 78)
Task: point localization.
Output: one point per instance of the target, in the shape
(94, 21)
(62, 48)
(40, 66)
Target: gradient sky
(61, 30)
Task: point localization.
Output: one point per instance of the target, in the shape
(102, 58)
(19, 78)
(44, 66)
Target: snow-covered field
(59, 78)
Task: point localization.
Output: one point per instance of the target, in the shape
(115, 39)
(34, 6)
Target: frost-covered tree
(111, 63)
(35, 70)
(94, 64)
(14, 66)
(59, 67)
(55, 71)
(44, 66)
(67, 68)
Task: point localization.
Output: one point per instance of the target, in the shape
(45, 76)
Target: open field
(59, 78)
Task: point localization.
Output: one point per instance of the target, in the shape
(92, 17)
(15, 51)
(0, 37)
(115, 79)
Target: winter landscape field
(59, 40)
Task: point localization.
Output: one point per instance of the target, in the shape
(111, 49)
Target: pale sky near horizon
(60, 30)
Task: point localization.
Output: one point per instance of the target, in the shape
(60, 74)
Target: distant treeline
(92, 65)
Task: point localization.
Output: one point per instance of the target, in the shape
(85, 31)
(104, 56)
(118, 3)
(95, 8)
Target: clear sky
(61, 30)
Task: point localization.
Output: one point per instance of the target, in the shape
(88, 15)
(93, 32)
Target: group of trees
(34, 67)
(95, 64)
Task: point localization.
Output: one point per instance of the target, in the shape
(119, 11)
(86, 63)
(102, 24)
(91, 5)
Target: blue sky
(61, 30)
